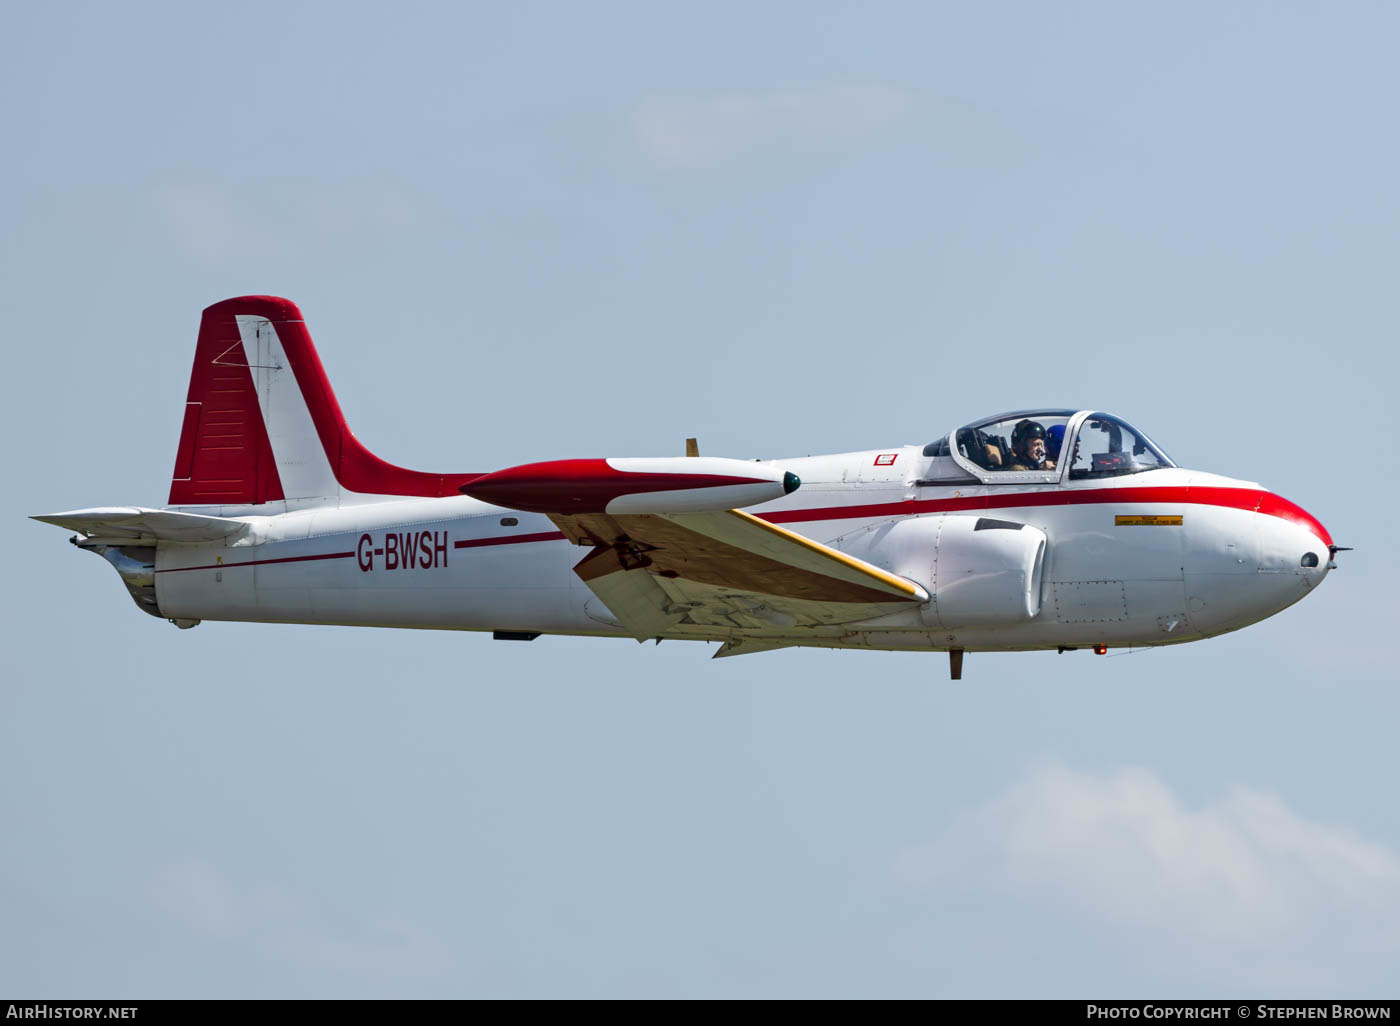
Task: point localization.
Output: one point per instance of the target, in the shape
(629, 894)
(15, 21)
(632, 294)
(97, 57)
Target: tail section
(262, 424)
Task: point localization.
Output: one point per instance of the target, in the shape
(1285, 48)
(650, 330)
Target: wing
(132, 523)
(725, 569)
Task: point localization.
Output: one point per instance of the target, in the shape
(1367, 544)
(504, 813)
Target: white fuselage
(459, 564)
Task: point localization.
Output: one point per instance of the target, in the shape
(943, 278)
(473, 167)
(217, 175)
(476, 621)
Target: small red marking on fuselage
(404, 550)
(886, 459)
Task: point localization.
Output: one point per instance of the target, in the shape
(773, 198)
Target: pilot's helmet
(1024, 431)
(1054, 440)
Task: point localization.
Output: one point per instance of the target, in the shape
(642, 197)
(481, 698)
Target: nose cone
(1258, 563)
(1293, 556)
(1292, 542)
(1280, 508)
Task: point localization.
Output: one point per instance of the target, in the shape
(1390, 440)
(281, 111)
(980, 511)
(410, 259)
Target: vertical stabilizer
(261, 423)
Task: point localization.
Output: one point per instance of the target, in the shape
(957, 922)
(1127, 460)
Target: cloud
(709, 131)
(203, 900)
(1119, 857)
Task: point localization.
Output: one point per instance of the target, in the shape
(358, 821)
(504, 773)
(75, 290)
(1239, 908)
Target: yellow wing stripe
(888, 579)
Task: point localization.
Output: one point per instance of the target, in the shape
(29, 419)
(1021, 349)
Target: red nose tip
(1277, 506)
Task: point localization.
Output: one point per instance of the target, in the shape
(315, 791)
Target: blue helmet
(1054, 439)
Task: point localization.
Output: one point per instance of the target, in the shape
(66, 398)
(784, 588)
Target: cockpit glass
(1107, 447)
(1027, 441)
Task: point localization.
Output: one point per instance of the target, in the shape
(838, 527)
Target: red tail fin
(262, 423)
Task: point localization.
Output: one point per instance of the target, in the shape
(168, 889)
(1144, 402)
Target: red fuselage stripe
(510, 539)
(1228, 498)
(257, 562)
(1244, 499)
(1249, 499)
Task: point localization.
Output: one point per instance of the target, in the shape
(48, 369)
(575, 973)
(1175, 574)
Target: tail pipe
(135, 565)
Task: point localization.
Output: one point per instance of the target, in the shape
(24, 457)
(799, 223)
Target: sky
(541, 231)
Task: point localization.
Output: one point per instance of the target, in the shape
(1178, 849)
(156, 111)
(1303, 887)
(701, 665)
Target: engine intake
(979, 571)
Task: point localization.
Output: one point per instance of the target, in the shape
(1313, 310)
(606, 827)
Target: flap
(135, 523)
(726, 569)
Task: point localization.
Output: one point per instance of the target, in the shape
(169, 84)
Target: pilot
(1028, 448)
(1054, 440)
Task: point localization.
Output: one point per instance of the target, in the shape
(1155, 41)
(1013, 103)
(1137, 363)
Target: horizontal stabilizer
(135, 523)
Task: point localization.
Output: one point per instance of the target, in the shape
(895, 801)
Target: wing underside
(726, 571)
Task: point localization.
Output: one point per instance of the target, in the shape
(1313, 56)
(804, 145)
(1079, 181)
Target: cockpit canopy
(1036, 445)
